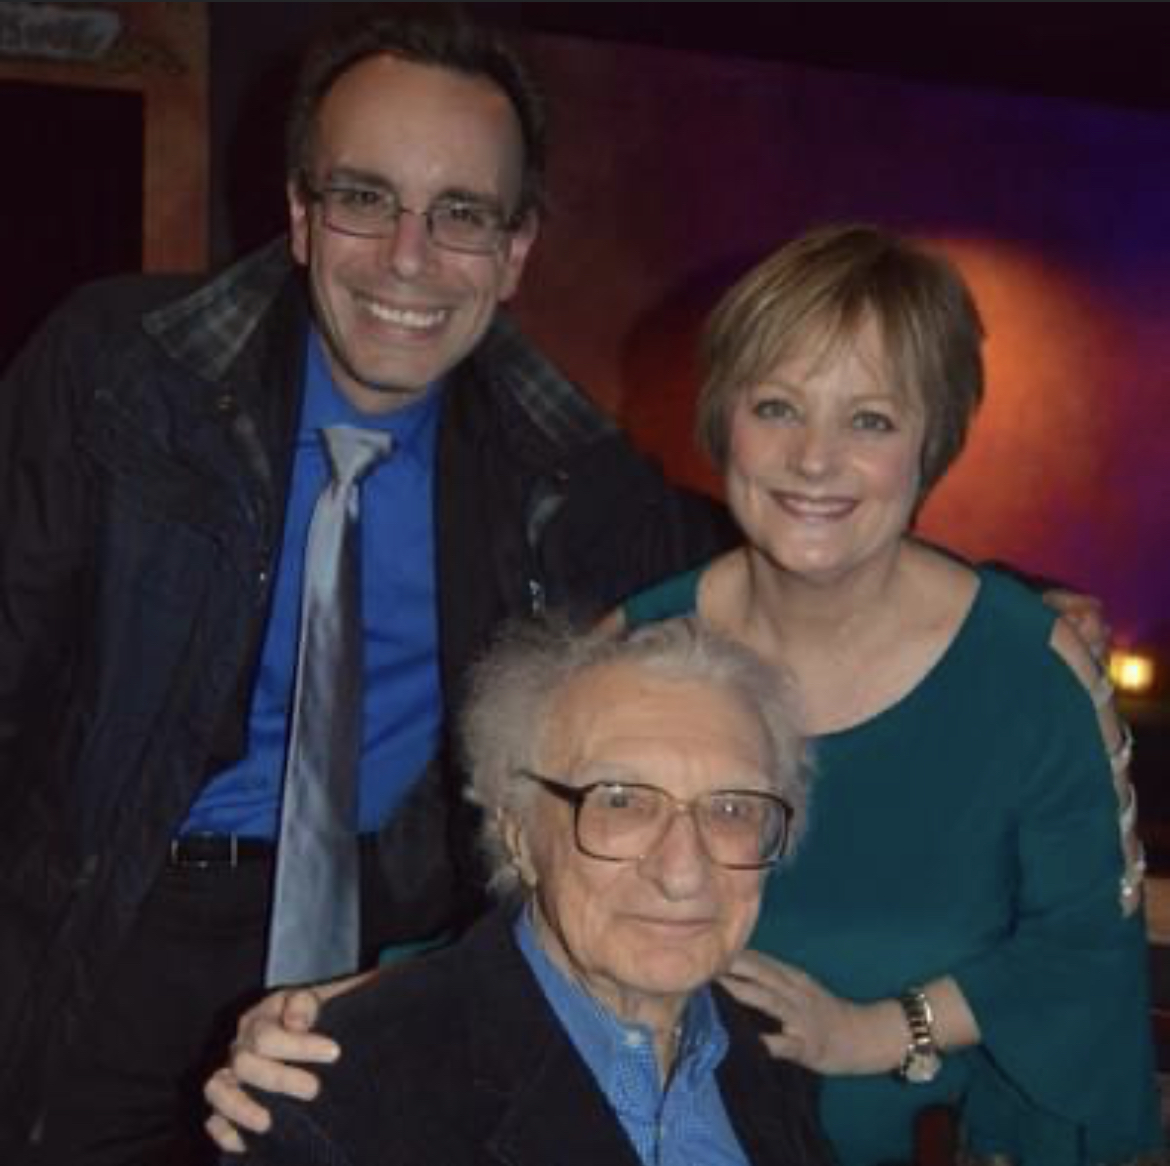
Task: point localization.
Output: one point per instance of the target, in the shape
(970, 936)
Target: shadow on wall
(659, 370)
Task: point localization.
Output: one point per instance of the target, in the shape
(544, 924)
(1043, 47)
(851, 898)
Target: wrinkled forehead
(634, 719)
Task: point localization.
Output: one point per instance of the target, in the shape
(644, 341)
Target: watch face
(921, 1067)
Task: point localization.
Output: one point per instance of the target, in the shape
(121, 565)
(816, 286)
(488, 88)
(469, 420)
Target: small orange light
(1132, 672)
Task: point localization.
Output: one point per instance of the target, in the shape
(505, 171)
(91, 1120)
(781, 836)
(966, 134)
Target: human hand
(1086, 616)
(818, 1030)
(272, 1038)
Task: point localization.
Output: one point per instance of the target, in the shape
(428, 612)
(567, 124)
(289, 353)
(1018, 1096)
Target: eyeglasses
(370, 212)
(623, 821)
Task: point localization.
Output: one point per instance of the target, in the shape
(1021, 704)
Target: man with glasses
(619, 820)
(580, 1022)
(168, 460)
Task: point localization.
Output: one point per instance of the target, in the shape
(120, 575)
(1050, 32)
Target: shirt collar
(413, 426)
(603, 1040)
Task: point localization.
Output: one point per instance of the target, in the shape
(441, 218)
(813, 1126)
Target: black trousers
(132, 1093)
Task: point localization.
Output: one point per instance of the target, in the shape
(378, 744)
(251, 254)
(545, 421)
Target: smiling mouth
(680, 926)
(813, 509)
(411, 319)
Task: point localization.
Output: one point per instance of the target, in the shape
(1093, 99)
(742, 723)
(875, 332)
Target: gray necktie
(315, 911)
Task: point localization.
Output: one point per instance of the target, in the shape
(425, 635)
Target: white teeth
(405, 317)
(816, 507)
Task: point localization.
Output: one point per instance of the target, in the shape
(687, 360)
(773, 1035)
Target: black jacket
(457, 1059)
(146, 440)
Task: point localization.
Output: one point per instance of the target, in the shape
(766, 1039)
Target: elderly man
(188, 472)
(635, 789)
(187, 644)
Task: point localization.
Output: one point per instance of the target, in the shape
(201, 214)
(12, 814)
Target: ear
(516, 843)
(298, 220)
(515, 255)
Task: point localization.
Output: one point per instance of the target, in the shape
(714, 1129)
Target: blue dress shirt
(401, 701)
(682, 1124)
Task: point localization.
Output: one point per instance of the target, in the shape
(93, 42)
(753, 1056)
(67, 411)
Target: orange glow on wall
(1055, 211)
(1032, 469)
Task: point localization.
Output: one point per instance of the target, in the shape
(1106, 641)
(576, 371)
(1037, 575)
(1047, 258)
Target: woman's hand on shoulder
(816, 1029)
(832, 1035)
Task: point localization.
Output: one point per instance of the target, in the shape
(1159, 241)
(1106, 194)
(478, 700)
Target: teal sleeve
(1062, 1000)
(675, 596)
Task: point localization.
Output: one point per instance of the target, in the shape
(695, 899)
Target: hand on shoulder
(1070, 645)
(272, 1038)
(1084, 616)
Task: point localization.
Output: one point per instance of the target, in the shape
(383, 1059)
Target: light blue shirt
(402, 705)
(683, 1124)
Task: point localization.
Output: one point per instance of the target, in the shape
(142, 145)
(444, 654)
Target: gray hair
(513, 688)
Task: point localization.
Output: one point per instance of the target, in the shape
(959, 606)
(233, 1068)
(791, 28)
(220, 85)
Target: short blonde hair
(821, 289)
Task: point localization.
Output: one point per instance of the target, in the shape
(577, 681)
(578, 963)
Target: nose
(678, 864)
(814, 450)
(408, 249)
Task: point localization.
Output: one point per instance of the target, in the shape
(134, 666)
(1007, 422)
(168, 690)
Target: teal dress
(971, 830)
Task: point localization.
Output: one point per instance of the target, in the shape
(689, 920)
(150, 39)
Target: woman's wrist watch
(922, 1060)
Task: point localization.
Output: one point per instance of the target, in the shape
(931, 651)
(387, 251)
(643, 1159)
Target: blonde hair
(821, 289)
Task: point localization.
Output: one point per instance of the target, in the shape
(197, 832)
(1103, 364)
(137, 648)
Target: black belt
(219, 850)
(202, 850)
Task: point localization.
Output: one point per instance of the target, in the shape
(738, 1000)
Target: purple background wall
(674, 171)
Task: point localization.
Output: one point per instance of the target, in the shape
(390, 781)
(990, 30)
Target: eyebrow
(866, 396)
(610, 774)
(741, 781)
(359, 177)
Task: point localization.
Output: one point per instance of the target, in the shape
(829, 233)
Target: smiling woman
(792, 434)
(960, 926)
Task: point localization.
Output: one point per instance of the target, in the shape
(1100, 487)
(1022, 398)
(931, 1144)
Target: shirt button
(633, 1040)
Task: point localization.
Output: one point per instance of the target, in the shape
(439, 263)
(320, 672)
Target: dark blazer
(146, 442)
(457, 1059)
